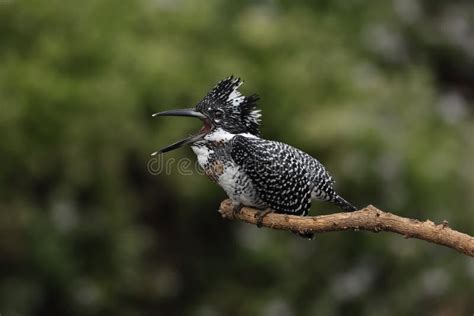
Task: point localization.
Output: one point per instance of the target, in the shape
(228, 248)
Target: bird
(255, 172)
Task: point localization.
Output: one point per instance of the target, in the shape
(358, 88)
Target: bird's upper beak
(181, 112)
(190, 139)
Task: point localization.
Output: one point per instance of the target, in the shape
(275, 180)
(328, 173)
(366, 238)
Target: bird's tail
(343, 204)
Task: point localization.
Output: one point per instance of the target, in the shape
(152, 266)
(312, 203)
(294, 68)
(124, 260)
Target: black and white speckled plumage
(254, 171)
(215, 159)
(285, 178)
(239, 112)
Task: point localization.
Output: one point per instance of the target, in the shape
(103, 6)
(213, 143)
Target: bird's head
(223, 108)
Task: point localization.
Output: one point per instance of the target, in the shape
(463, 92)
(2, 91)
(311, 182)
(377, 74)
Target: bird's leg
(236, 209)
(261, 215)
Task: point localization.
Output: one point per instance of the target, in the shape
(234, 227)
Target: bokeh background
(380, 91)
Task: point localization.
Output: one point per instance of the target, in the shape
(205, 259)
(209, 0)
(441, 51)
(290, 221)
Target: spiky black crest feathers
(240, 113)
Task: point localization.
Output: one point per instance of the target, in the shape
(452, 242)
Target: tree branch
(369, 218)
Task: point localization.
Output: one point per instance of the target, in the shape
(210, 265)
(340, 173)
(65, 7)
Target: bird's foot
(261, 215)
(309, 236)
(237, 209)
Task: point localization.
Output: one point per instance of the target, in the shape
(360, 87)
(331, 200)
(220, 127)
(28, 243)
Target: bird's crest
(241, 115)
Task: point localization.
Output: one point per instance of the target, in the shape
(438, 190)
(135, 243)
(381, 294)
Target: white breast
(228, 175)
(239, 187)
(228, 179)
(202, 153)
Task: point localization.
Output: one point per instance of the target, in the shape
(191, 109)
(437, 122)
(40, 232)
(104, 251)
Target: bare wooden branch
(369, 219)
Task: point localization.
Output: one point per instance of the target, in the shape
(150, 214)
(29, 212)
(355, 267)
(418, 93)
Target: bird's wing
(281, 178)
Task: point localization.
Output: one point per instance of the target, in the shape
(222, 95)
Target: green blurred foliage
(380, 91)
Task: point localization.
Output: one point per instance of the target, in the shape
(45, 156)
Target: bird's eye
(218, 114)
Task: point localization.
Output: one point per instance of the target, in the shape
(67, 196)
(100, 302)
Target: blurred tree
(379, 91)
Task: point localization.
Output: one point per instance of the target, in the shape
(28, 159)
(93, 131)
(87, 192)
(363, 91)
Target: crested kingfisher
(253, 171)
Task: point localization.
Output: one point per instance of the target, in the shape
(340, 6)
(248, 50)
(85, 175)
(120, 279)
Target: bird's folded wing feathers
(280, 176)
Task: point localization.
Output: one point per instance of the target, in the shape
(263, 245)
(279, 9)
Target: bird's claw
(261, 216)
(237, 209)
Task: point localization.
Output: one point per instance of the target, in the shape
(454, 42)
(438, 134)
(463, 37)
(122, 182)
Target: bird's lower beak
(188, 140)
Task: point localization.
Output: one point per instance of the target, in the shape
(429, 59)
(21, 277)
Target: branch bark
(369, 218)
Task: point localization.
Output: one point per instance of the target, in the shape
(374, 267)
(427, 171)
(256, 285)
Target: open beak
(191, 139)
